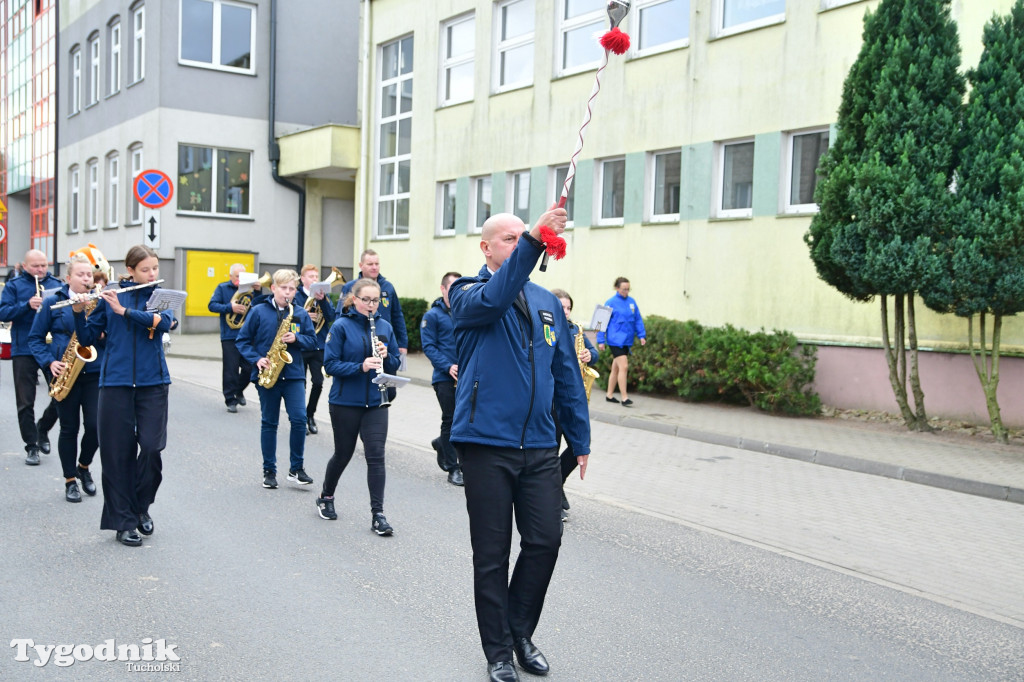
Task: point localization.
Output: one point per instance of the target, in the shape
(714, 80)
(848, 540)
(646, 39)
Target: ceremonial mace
(613, 41)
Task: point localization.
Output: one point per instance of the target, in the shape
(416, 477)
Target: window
(394, 132)
(213, 181)
(73, 200)
(513, 58)
(517, 195)
(92, 199)
(76, 80)
(458, 44)
(138, 43)
(480, 201)
(218, 34)
(735, 180)
(663, 193)
(94, 70)
(114, 75)
(446, 208)
(803, 154)
(612, 183)
(661, 25)
(113, 189)
(558, 176)
(732, 16)
(578, 22)
(134, 207)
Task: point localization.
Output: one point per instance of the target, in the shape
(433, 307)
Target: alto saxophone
(589, 373)
(277, 355)
(75, 358)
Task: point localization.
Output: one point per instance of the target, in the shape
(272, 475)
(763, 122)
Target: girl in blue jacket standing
(132, 415)
(624, 325)
(355, 401)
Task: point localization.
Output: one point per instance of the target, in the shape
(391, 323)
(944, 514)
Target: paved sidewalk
(940, 460)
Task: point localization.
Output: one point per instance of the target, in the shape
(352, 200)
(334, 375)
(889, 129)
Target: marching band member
(235, 369)
(262, 328)
(132, 415)
(437, 334)
(314, 359)
(355, 401)
(78, 407)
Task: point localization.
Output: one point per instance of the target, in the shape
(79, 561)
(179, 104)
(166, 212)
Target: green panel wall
(583, 193)
(697, 165)
(633, 200)
(498, 192)
(767, 148)
(462, 206)
(539, 199)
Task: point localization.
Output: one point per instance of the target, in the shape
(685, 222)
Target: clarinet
(384, 402)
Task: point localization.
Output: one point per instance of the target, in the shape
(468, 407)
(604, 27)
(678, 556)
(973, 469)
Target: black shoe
(436, 444)
(502, 671)
(232, 409)
(311, 426)
(85, 477)
(43, 439)
(611, 400)
(325, 506)
(455, 477)
(129, 537)
(530, 658)
(145, 524)
(380, 524)
(32, 457)
(627, 403)
(241, 400)
(300, 476)
(565, 516)
(565, 502)
(269, 479)
(71, 492)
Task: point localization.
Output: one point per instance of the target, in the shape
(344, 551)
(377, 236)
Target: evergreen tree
(984, 261)
(884, 194)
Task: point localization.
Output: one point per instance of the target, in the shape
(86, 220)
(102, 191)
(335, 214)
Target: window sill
(390, 238)
(577, 70)
(748, 27)
(221, 216)
(215, 67)
(110, 227)
(660, 49)
(444, 235)
(803, 213)
(662, 220)
(89, 106)
(610, 223)
(112, 94)
(838, 5)
(511, 88)
(453, 103)
(730, 218)
(134, 83)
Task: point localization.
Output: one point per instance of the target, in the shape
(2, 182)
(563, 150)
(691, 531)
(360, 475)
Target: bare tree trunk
(897, 376)
(915, 376)
(987, 367)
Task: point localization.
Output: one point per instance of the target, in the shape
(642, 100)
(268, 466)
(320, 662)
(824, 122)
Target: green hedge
(772, 372)
(413, 310)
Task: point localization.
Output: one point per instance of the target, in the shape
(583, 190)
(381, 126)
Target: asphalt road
(251, 583)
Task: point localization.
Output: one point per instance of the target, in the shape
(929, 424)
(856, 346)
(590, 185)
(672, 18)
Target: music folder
(390, 380)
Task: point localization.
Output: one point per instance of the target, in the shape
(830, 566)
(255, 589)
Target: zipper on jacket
(533, 376)
(472, 409)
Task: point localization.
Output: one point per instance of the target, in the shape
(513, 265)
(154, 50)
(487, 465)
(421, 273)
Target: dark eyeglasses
(369, 301)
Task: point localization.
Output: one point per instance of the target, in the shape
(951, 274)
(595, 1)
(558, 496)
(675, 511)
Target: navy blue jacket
(60, 324)
(437, 334)
(257, 335)
(325, 308)
(390, 309)
(624, 324)
(514, 365)
(220, 303)
(14, 308)
(132, 358)
(348, 344)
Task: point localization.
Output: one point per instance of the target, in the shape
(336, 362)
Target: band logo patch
(549, 335)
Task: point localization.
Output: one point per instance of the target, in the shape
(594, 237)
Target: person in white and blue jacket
(254, 341)
(624, 327)
(79, 406)
(437, 336)
(355, 401)
(516, 359)
(134, 381)
(390, 308)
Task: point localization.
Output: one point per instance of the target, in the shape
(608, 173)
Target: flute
(99, 294)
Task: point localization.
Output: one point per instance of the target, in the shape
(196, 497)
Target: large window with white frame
(76, 80)
(138, 42)
(660, 25)
(734, 197)
(218, 34)
(213, 180)
(733, 16)
(394, 137)
(664, 174)
(517, 195)
(514, 22)
(803, 154)
(94, 70)
(446, 206)
(113, 189)
(479, 202)
(578, 22)
(558, 174)
(74, 199)
(611, 194)
(92, 197)
(458, 47)
(134, 207)
(114, 58)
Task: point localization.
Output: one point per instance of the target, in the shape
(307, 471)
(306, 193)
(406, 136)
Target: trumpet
(99, 294)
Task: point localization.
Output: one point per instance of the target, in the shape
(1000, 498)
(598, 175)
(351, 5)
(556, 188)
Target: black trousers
(501, 482)
(26, 373)
(314, 360)
(133, 433)
(370, 424)
(568, 458)
(445, 391)
(235, 373)
(79, 408)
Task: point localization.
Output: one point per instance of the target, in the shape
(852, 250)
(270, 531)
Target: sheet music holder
(602, 313)
(50, 292)
(390, 380)
(317, 287)
(246, 280)
(165, 299)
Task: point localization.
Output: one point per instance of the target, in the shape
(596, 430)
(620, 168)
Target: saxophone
(75, 357)
(277, 355)
(589, 373)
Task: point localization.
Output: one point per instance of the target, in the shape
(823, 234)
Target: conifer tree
(884, 194)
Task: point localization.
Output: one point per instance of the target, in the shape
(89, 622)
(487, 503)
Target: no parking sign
(153, 188)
